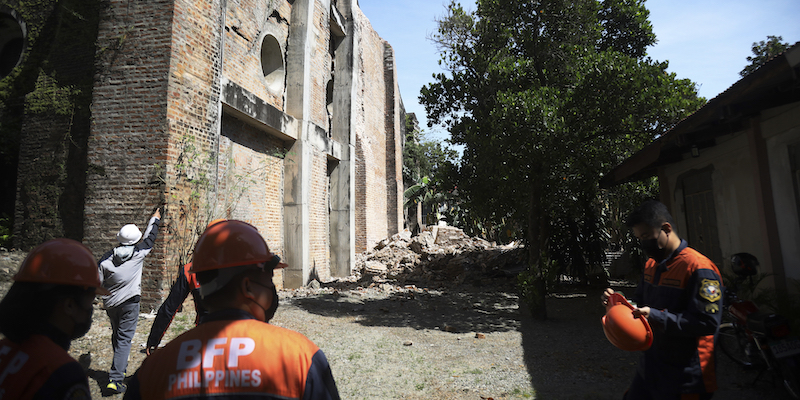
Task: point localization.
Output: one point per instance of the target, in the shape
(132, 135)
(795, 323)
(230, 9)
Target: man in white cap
(121, 274)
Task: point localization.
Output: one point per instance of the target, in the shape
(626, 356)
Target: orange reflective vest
(38, 367)
(231, 357)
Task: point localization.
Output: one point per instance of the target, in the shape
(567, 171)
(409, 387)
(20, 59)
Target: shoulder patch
(710, 290)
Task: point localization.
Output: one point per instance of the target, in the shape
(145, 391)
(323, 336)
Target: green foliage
(6, 227)
(49, 96)
(545, 97)
(535, 282)
(427, 169)
(763, 51)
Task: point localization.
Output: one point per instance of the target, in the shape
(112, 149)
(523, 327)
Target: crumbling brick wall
(52, 90)
(159, 134)
(373, 183)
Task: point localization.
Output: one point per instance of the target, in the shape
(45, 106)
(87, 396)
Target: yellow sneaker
(116, 387)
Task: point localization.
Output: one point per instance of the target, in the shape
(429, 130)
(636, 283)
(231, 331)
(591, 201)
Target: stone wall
(45, 117)
(130, 144)
(250, 187)
(377, 187)
(226, 109)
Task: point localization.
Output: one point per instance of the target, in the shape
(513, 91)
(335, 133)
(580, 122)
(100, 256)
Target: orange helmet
(61, 262)
(623, 329)
(215, 221)
(232, 243)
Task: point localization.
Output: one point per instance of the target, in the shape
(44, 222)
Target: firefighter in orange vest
(235, 352)
(49, 305)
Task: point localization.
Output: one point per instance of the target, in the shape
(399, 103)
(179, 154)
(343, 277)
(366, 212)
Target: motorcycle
(756, 339)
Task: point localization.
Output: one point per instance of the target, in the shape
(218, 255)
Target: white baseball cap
(129, 234)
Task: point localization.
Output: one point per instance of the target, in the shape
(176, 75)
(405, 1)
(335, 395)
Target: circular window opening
(12, 43)
(272, 63)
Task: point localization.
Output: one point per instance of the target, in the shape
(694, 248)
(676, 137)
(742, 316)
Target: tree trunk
(535, 246)
(419, 215)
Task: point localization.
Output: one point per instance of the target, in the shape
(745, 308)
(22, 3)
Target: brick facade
(183, 117)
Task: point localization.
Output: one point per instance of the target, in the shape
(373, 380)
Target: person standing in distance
(49, 305)
(121, 274)
(681, 296)
(234, 352)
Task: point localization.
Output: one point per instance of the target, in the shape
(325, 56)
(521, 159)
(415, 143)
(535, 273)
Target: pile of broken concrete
(440, 256)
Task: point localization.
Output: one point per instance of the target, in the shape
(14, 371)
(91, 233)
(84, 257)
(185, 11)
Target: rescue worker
(680, 294)
(49, 305)
(121, 273)
(235, 352)
(185, 283)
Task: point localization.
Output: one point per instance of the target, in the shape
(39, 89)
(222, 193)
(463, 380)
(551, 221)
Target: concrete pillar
(343, 190)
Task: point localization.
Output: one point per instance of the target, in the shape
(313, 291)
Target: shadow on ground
(566, 356)
(465, 309)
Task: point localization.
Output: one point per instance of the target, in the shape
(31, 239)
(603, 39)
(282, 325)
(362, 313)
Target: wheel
(733, 341)
(790, 375)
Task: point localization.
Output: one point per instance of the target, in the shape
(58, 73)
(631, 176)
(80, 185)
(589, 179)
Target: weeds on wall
(197, 196)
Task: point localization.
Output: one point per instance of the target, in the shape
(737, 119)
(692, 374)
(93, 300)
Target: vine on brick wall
(199, 198)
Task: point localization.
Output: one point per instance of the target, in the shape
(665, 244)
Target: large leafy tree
(545, 96)
(763, 51)
(427, 168)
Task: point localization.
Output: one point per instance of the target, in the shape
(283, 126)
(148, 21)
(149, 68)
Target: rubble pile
(441, 255)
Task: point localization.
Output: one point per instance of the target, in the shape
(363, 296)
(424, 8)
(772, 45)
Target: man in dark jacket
(185, 283)
(681, 296)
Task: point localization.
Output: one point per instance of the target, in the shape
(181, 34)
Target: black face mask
(652, 249)
(274, 307)
(269, 312)
(81, 328)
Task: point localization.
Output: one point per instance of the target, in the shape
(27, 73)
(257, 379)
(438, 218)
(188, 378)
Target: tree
(427, 169)
(763, 52)
(545, 96)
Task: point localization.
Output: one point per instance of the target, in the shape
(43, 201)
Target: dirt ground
(471, 341)
(466, 342)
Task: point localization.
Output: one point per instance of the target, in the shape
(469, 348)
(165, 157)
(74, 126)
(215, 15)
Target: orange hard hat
(215, 221)
(61, 262)
(623, 329)
(232, 243)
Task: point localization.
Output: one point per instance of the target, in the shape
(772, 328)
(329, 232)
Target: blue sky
(706, 41)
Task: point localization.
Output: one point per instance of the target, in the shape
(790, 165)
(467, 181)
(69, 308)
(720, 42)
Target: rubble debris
(439, 255)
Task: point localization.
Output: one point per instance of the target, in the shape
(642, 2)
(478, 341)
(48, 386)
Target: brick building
(282, 113)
